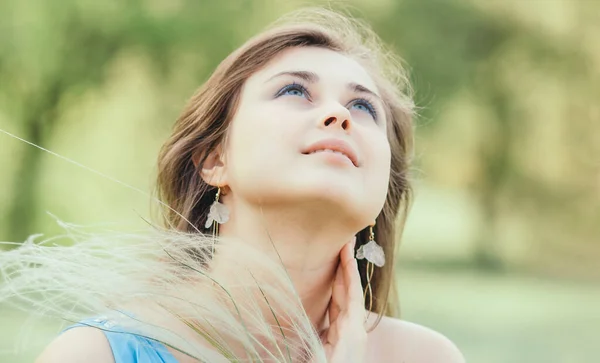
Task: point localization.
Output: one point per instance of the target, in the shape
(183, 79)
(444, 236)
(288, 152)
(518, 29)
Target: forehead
(329, 65)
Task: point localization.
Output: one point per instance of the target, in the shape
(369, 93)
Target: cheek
(378, 176)
(259, 145)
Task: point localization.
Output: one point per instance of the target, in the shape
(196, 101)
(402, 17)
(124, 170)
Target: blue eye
(367, 106)
(293, 89)
(296, 89)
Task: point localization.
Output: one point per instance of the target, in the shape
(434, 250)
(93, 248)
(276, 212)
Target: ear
(213, 171)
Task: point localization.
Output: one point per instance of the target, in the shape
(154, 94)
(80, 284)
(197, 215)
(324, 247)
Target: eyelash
(298, 86)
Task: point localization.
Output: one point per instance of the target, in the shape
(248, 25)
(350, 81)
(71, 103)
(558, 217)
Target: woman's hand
(345, 340)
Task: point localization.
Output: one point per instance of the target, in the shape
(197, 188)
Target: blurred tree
(451, 46)
(53, 50)
(446, 43)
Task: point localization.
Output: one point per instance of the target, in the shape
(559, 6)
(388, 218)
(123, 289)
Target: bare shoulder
(80, 344)
(395, 340)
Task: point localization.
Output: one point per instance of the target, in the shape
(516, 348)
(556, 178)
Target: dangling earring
(218, 214)
(375, 256)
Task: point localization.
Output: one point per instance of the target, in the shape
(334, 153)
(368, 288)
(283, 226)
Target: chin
(342, 200)
(334, 194)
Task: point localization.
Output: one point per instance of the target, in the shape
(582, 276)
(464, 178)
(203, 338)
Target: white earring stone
(372, 252)
(218, 213)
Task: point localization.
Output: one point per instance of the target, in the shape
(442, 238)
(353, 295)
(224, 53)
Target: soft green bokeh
(502, 246)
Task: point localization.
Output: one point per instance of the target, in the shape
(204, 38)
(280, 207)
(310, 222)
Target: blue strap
(128, 347)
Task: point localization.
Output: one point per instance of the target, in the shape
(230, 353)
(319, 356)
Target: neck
(304, 238)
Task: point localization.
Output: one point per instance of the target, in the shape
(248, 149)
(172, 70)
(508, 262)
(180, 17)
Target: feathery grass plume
(149, 284)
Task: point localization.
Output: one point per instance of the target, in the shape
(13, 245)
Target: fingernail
(353, 241)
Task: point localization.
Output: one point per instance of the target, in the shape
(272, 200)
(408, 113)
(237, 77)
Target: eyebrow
(312, 77)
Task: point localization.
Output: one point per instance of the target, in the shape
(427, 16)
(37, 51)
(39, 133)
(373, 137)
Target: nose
(338, 116)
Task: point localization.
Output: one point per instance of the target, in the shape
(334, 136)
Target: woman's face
(304, 101)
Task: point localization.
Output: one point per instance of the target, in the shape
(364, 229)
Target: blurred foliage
(508, 139)
(519, 78)
(55, 51)
(535, 156)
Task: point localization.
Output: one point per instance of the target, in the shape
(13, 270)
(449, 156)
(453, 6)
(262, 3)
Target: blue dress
(127, 347)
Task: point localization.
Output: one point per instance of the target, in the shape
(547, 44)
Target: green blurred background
(502, 247)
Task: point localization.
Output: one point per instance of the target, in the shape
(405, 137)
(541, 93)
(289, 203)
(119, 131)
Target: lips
(335, 145)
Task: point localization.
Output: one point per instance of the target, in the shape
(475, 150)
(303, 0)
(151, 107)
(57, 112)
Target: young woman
(299, 145)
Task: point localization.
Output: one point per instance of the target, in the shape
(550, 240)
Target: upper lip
(335, 145)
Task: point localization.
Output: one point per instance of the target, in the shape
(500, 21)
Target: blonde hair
(204, 122)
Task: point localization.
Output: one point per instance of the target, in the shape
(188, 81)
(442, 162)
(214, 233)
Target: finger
(347, 253)
(351, 275)
(354, 296)
(338, 295)
(333, 332)
(339, 292)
